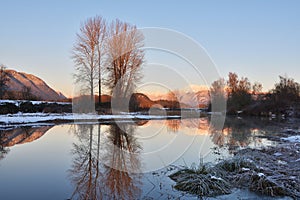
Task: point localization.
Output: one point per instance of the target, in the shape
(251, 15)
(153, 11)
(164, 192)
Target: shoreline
(272, 171)
(55, 119)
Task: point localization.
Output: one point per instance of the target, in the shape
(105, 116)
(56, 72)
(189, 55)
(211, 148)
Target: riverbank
(271, 171)
(20, 119)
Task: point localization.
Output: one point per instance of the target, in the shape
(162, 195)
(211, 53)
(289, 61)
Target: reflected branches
(106, 163)
(3, 150)
(239, 132)
(85, 168)
(173, 125)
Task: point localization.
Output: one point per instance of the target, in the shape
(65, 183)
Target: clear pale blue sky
(257, 39)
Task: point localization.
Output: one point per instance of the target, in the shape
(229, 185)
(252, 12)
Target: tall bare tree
(3, 80)
(88, 54)
(125, 57)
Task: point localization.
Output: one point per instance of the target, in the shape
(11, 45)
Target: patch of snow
(245, 169)
(17, 102)
(216, 178)
(13, 126)
(273, 116)
(40, 117)
(215, 113)
(295, 139)
(281, 162)
(277, 154)
(261, 174)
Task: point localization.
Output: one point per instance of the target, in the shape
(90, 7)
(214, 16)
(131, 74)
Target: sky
(256, 39)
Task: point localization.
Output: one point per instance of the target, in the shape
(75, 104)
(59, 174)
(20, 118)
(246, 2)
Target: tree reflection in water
(240, 132)
(105, 169)
(173, 125)
(3, 150)
(122, 169)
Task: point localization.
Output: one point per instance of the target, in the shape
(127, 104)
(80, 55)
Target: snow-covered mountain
(19, 80)
(193, 95)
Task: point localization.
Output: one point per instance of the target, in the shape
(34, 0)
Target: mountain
(18, 81)
(191, 96)
(141, 100)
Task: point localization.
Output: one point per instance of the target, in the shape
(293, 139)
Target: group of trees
(240, 94)
(108, 54)
(236, 91)
(286, 92)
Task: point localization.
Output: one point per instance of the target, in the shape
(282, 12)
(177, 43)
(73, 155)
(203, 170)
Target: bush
(8, 108)
(200, 182)
(27, 107)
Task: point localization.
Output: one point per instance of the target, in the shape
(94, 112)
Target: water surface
(121, 160)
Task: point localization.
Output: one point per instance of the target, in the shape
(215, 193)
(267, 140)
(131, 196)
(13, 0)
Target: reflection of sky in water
(40, 168)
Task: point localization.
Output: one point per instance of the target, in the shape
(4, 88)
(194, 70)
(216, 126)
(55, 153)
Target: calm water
(115, 161)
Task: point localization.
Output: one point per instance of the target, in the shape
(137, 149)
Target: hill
(20, 81)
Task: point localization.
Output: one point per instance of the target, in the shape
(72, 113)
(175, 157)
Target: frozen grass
(272, 171)
(200, 182)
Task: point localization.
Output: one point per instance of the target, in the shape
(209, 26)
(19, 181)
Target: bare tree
(257, 88)
(125, 57)
(3, 81)
(88, 53)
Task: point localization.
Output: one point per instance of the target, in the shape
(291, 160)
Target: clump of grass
(200, 182)
(266, 185)
(261, 171)
(236, 164)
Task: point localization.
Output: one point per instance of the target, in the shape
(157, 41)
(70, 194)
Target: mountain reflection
(22, 135)
(106, 162)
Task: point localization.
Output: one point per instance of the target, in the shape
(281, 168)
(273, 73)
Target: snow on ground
(294, 138)
(40, 117)
(17, 102)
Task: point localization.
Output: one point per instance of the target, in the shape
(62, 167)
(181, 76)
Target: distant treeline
(245, 98)
(29, 107)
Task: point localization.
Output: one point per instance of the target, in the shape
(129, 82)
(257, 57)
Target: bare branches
(88, 52)
(125, 57)
(118, 46)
